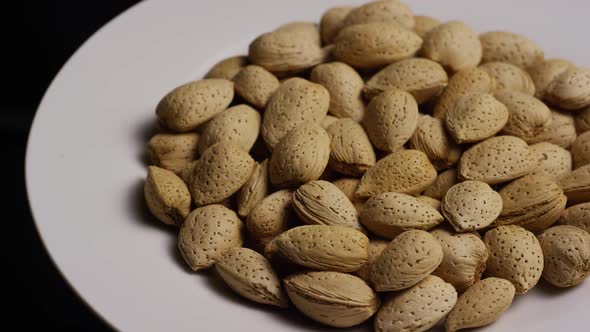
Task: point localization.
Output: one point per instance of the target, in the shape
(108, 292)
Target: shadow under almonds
(145, 130)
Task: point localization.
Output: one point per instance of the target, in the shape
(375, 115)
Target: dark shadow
(145, 130)
(547, 289)
(141, 213)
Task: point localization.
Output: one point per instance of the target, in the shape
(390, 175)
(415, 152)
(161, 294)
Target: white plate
(85, 172)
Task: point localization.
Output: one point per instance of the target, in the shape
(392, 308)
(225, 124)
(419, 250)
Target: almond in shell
(228, 68)
(577, 215)
(271, 217)
(254, 190)
(432, 138)
(441, 185)
(552, 161)
(332, 21)
(256, 85)
(581, 150)
(576, 185)
(167, 196)
(529, 117)
(454, 45)
(173, 151)
(351, 152)
(570, 90)
(349, 186)
(545, 72)
(583, 120)
(423, 24)
(510, 77)
(561, 131)
(238, 125)
(471, 205)
(510, 47)
(386, 11)
(376, 247)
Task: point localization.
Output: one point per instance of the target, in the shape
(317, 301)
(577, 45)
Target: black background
(37, 39)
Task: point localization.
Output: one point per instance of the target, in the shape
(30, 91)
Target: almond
(515, 255)
(406, 261)
(238, 125)
(441, 185)
(351, 152)
(390, 214)
(228, 68)
(295, 102)
(271, 217)
(344, 85)
(173, 151)
(375, 44)
(561, 131)
(576, 185)
(552, 161)
(424, 24)
(327, 121)
(249, 274)
(207, 233)
(349, 186)
(254, 190)
(418, 308)
(322, 247)
(464, 257)
(510, 77)
(529, 117)
(570, 90)
(475, 117)
(471, 205)
(534, 202)
(386, 11)
(583, 120)
(581, 150)
(322, 203)
(391, 119)
(256, 85)
(432, 138)
(577, 215)
(566, 250)
(510, 47)
(433, 202)
(481, 305)
(220, 172)
(301, 156)
(332, 298)
(454, 45)
(496, 160)
(194, 103)
(332, 21)
(376, 247)
(543, 73)
(422, 78)
(474, 80)
(405, 171)
(167, 196)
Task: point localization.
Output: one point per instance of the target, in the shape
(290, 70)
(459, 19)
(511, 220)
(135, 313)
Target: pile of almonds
(380, 164)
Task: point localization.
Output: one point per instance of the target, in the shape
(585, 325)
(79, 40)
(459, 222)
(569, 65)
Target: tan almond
(510, 47)
(376, 247)
(561, 131)
(417, 309)
(552, 161)
(510, 77)
(249, 274)
(322, 203)
(441, 185)
(220, 172)
(349, 186)
(301, 156)
(432, 138)
(332, 298)
(570, 90)
(173, 151)
(344, 85)
(207, 233)
(327, 121)
(322, 247)
(271, 217)
(167, 196)
(228, 67)
(406, 171)
(386, 11)
(372, 45)
(566, 250)
(433, 202)
(474, 80)
(581, 150)
(582, 120)
(423, 24)
(192, 104)
(390, 214)
(543, 73)
(254, 190)
(464, 260)
(407, 260)
(471, 205)
(238, 125)
(351, 152)
(496, 160)
(391, 119)
(332, 21)
(515, 255)
(256, 85)
(295, 102)
(576, 185)
(454, 45)
(475, 117)
(481, 305)
(577, 215)
(529, 117)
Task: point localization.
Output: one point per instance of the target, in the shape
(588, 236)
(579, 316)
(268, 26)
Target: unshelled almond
(576, 185)
(441, 185)
(386, 11)
(167, 196)
(332, 21)
(254, 190)
(227, 68)
(582, 120)
(238, 125)
(546, 72)
(471, 205)
(510, 77)
(349, 186)
(271, 217)
(576, 215)
(423, 24)
(256, 85)
(570, 90)
(529, 117)
(351, 152)
(475, 117)
(561, 131)
(510, 47)
(581, 150)
(432, 138)
(173, 151)
(454, 45)
(552, 161)
(376, 247)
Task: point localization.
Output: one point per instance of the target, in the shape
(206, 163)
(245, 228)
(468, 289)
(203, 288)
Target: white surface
(85, 173)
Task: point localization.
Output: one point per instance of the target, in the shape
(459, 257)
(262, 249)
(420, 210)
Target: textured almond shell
(256, 85)
(577, 215)
(405, 171)
(496, 160)
(582, 120)
(194, 103)
(529, 117)
(349, 187)
(545, 72)
(552, 161)
(407, 260)
(207, 233)
(376, 247)
(510, 77)
(441, 185)
(570, 90)
(561, 131)
(386, 11)
(167, 196)
(332, 298)
(391, 119)
(322, 247)
(249, 274)
(390, 214)
(173, 151)
(581, 150)
(227, 68)
(271, 217)
(332, 21)
(423, 24)
(295, 102)
(432, 138)
(238, 125)
(254, 190)
(515, 255)
(576, 185)
(471, 205)
(482, 304)
(454, 45)
(351, 152)
(510, 47)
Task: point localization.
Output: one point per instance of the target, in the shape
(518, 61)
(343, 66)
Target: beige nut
(254, 190)
(576, 185)
(577, 215)
(454, 45)
(529, 117)
(471, 205)
(510, 77)
(256, 85)
(581, 150)
(423, 24)
(441, 185)
(432, 138)
(510, 47)
(543, 73)
(228, 67)
(238, 125)
(570, 90)
(376, 247)
(552, 161)
(332, 21)
(561, 131)
(351, 152)
(167, 196)
(271, 217)
(475, 117)
(386, 11)
(173, 151)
